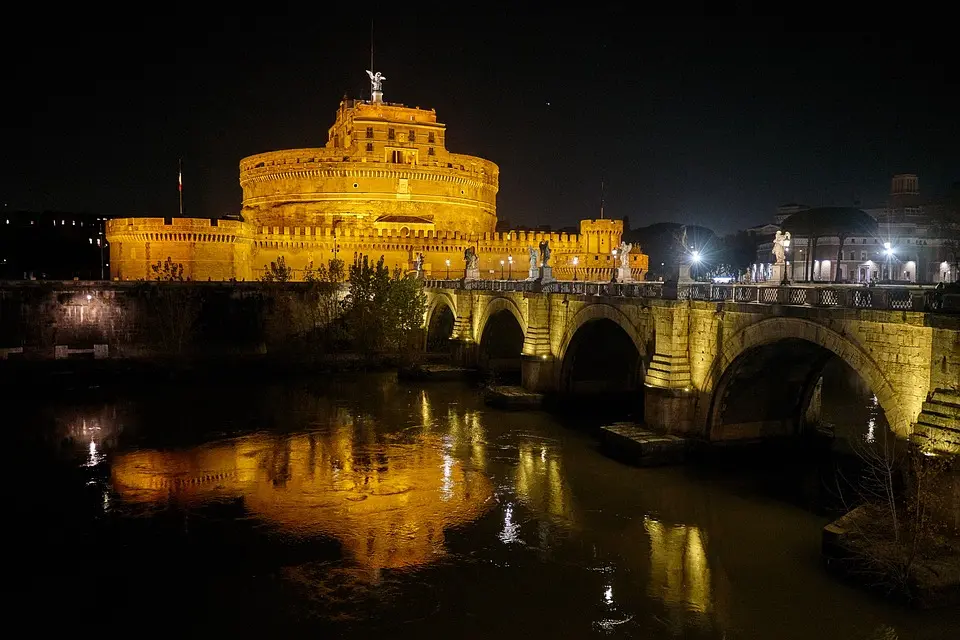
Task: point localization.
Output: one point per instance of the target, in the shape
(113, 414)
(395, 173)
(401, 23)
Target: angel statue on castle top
(375, 80)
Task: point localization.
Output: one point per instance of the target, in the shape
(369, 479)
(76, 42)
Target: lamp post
(576, 261)
(448, 268)
(614, 278)
(786, 249)
(501, 269)
(509, 267)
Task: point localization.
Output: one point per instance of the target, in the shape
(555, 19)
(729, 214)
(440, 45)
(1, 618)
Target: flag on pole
(180, 180)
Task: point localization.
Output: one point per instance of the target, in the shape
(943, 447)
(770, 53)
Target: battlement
(177, 230)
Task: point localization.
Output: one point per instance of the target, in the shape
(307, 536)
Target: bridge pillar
(670, 400)
(465, 352)
(538, 366)
(539, 373)
(465, 348)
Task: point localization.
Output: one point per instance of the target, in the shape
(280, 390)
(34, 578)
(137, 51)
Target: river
(356, 506)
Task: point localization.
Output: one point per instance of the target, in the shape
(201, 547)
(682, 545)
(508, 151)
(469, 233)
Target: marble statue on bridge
(419, 265)
(534, 272)
(780, 243)
(472, 271)
(623, 270)
(544, 253)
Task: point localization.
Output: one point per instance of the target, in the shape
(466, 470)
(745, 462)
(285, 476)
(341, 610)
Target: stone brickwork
(690, 348)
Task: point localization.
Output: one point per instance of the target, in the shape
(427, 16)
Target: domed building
(384, 184)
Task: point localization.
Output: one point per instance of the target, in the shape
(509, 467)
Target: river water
(359, 507)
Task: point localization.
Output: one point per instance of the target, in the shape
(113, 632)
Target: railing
(850, 297)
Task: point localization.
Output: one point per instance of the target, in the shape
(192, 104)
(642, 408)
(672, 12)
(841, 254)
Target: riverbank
(45, 376)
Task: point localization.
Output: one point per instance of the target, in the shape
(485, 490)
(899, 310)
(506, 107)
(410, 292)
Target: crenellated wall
(384, 184)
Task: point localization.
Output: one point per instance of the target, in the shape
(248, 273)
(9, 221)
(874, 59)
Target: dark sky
(712, 121)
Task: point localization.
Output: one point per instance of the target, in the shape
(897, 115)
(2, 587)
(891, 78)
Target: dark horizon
(710, 122)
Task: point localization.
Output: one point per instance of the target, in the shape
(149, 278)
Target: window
(413, 136)
(853, 256)
(391, 134)
(430, 138)
(369, 146)
(430, 151)
(863, 256)
(369, 132)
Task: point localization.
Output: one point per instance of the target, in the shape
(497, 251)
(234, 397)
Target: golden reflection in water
(388, 503)
(540, 481)
(679, 571)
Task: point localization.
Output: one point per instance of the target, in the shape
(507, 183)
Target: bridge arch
(787, 355)
(501, 332)
(496, 305)
(601, 351)
(440, 321)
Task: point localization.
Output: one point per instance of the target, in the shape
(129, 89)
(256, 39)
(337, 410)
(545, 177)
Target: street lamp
(614, 278)
(448, 268)
(501, 269)
(509, 267)
(576, 261)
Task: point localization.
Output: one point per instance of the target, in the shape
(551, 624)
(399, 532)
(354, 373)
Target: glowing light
(509, 533)
(696, 256)
(608, 595)
(89, 297)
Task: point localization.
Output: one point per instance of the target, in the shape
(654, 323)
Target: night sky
(710, 121)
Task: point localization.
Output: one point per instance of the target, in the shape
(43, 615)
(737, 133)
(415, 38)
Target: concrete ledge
(434, 373)
(512, 397)
(632, 443)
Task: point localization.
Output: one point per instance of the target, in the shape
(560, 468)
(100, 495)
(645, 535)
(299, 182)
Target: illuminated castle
(384, 184)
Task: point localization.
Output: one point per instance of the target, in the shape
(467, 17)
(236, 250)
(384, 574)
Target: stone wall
(48, 320)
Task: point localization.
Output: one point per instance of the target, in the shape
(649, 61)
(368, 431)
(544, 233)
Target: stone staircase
(939, 422)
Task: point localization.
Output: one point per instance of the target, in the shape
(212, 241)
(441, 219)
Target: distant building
(910, 245)
(52, 245)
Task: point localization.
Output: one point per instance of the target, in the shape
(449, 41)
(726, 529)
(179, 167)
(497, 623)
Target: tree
(896, 530)
(171, 310)
(945, 225)
(839, 222)
(167, 271)
(737, 251)
(277, 271)
(383, 310)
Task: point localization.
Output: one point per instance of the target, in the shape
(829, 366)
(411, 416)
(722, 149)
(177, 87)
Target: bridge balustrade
(896, 298)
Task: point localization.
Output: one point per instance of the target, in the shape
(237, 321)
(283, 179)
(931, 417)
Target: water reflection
(540, 482)
(387, 501)
(679, 571)
(374, 507)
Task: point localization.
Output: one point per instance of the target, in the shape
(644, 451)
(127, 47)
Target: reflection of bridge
(721, 362)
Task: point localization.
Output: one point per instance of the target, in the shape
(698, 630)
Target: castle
(383, 185)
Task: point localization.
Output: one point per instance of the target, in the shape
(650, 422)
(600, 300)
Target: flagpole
(180, 185)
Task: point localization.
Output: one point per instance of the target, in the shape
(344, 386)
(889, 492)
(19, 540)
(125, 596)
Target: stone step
(635, 444)
(946, 396)
(941, 408)
(933, 417)
(940, 439)
(512, 397)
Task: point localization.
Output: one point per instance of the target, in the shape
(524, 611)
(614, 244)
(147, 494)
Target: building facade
(384, 184)
(913, 243)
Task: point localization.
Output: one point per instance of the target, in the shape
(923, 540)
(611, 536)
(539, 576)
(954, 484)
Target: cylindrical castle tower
(384, 166)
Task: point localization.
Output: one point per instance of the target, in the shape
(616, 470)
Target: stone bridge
(718, 362)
